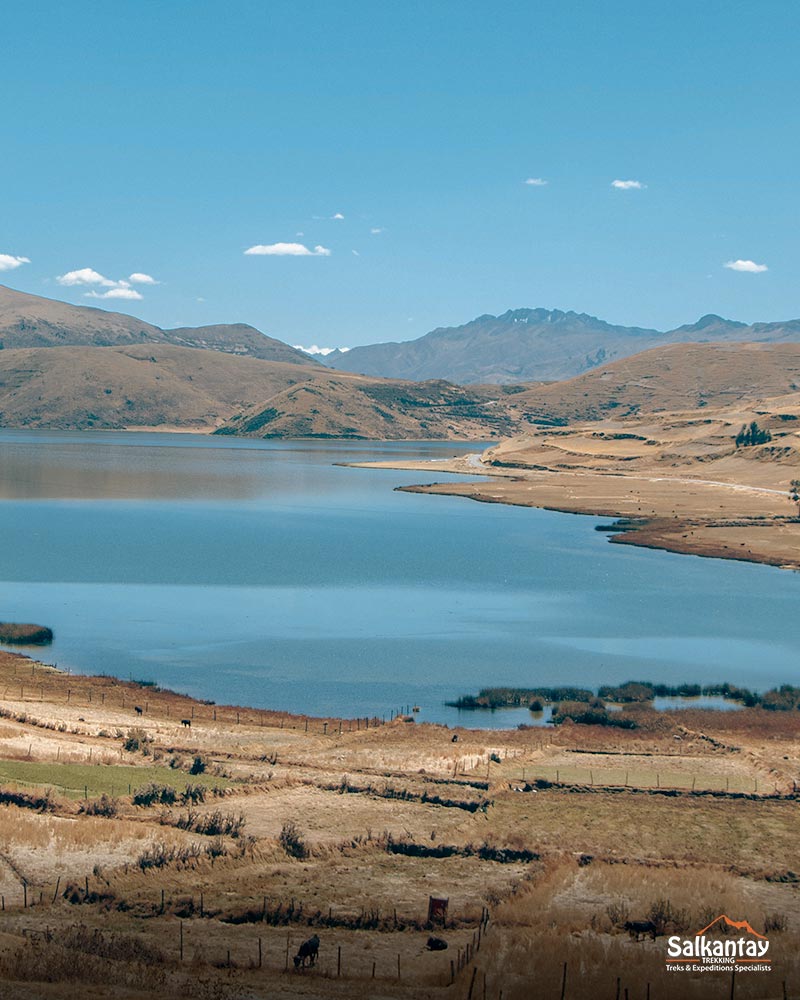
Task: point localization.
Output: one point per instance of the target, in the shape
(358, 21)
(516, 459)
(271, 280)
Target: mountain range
(527, 345)
(71, 367)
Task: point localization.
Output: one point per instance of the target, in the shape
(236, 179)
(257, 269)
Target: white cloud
(355, 253)
(376, 230)
(8, 262)
(536, 182)
(749, 266)
(338, 217)
(120, 289)
(314, 349)
(628, 185)
(287, 250)
(84, 276)
(121, 292)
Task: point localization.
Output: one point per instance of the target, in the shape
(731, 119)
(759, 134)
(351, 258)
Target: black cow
(138, 709)
(436, 944)
(186, 722)
(639, 928)
(308, 951)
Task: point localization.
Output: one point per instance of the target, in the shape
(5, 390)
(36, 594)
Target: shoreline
(694, 530)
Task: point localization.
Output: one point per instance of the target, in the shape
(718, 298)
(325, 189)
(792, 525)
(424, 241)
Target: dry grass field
(545, 842)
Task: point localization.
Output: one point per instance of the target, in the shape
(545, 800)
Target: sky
(348, 172)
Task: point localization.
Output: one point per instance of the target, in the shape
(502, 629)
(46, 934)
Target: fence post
(180, 922)
(339, 960)
(472, 982)
(259, 953)
(564, 982)
(398, 965)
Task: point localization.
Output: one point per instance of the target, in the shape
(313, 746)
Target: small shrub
(193, 794)
(216, 849)
(291, 840)
(154, 794)
(137, 739)
(213, 824)
(666, 916)
(161, 855)
(104, 806)
(618, 912)
(198, 765)
(775, 922)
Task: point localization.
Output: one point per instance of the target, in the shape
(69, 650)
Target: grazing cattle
(436, 944)
(186, 722)
(455, 738)
(308, 951)
(639, 928)
(138, 709)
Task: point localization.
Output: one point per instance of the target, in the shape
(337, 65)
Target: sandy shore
(725, 520)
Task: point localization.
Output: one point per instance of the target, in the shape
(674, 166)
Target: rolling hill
(525, 345)
(77, 388)
(161, 385)
(342, 405)
(675, 377)
(33, 321)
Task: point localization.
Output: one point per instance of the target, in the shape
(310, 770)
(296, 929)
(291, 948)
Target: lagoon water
(261, 573)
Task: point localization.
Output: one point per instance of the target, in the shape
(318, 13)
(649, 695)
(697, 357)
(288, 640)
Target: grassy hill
(674, 377)
(351, 406)
(152, 385)
(75, 388)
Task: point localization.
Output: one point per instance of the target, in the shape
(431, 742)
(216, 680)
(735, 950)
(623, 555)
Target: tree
(794, 494)
(752, 434)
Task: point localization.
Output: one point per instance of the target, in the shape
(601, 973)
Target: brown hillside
(73, 388)
(238, 338)
(677, 377)
(33, 321)
(354, 406)
(152, 385)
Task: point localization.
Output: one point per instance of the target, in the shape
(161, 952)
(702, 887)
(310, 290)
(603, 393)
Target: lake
(261, 573)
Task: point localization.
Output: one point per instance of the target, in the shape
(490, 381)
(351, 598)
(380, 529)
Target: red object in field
(437, 909)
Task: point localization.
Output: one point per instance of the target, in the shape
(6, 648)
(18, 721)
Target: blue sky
(165, 139)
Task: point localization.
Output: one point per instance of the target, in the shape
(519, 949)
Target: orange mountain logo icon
(739, 925)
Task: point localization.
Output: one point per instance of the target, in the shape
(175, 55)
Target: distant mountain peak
(711, 321)
(537, 345)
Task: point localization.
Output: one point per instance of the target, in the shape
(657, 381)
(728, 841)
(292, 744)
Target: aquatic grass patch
(783, 698)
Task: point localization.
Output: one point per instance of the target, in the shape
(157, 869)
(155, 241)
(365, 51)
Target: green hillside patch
(80, 780)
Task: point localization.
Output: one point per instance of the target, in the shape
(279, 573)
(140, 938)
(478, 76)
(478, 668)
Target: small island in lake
(20, 634)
